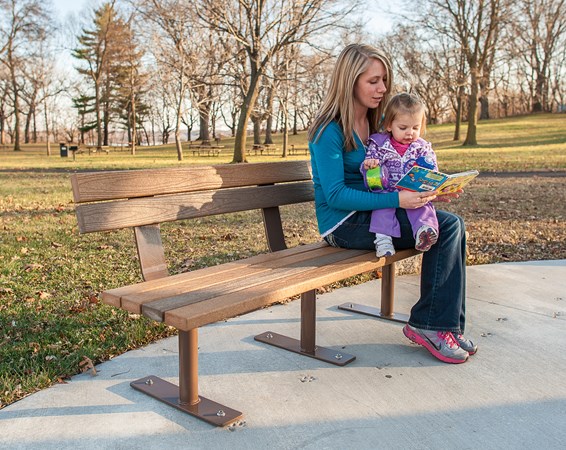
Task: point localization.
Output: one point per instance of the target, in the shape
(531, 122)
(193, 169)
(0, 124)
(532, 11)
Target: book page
(457, 181)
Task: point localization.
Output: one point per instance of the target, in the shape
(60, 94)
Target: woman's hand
(414, 200)
(447, 198)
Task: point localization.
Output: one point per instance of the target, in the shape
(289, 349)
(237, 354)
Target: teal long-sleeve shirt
(338, 183)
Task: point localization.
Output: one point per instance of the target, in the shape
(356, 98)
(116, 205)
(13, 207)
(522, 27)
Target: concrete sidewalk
(510, 395)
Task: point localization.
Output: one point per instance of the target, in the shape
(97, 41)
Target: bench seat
(194, 299)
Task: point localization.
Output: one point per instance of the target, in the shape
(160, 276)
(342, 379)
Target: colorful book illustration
(420, 179)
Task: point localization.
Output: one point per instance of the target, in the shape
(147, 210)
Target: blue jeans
(443, 274)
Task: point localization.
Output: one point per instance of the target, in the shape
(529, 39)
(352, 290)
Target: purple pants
(383, 221)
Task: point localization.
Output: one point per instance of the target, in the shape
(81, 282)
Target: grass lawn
(52, 324)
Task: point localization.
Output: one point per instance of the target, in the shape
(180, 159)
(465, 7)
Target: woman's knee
(451, 223)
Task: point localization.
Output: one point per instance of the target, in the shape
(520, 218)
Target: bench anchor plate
(207, 410)
(374, 312)
(328, 355)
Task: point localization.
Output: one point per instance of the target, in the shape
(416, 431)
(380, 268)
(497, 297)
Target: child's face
(406, 128)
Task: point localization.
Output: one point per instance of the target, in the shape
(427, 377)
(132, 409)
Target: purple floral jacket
(419, 152)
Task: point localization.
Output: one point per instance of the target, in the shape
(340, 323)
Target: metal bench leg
(185, 396)
(387, 299)
(306, 345)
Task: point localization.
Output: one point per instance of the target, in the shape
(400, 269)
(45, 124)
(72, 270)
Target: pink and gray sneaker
(425, 238)
(465, 344)
(441, 344)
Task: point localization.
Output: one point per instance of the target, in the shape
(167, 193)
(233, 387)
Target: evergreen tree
(100, 51)
(84, 105)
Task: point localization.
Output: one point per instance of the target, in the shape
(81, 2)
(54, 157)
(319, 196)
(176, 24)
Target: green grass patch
(52, 323)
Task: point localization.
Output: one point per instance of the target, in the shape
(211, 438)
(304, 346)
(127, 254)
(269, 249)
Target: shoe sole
(417, 339)
(426, 240)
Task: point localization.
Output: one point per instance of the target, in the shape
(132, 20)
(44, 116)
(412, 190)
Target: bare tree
(22, 25)
(50, 87)
(175, 38)
(4, 85)
(474, 27)
(263, 28)
(540, 29)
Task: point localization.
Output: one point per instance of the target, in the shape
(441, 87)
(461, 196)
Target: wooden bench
(142, 199)
(294, 150)
(268, 149)
(209, 150)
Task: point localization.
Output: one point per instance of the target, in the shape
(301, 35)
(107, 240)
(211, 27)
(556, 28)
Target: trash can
(63, 150)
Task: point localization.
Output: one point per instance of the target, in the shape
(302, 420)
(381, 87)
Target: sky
(378, 19)
(65, 7)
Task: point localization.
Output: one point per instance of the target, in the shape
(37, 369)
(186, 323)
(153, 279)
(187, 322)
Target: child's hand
(370, 163)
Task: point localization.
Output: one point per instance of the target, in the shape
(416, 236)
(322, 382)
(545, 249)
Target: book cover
(420, 179)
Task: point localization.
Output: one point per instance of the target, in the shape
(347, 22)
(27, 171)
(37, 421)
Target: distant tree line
(162, 70)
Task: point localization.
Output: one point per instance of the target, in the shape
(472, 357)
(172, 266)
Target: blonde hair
(339, 101)
(404, 103)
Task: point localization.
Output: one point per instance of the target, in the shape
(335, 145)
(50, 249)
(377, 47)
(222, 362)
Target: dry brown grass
(514, 218)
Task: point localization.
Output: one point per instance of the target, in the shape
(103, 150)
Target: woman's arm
(328, 157)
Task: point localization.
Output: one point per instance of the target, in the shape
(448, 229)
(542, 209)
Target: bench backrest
(142, 199)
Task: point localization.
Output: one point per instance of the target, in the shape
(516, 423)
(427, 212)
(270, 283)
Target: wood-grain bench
(142, 199)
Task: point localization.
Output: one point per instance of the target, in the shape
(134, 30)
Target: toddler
(394, 153)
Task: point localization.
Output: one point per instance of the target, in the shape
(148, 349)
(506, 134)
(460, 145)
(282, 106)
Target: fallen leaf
(86, 364)
(30, 267)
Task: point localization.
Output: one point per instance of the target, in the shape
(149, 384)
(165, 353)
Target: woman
(359, 90)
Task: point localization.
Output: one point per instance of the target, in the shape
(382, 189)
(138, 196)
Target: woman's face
(371, 85)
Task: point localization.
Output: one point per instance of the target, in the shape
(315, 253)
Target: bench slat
(229, 280)
(246, 300)
(121, 184)
(146, 211)
(113, 296)
(264, 274)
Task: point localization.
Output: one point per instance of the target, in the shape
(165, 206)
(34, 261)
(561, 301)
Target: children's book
(420, 179)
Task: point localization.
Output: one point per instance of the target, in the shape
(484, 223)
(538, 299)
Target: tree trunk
(2, 127)
(17, 146)
(134, 131)
(458, 116)
(245, 114)
(178, 144)
(269, 121)
(256, 120)
(46, 115)
(16, 92)
(538, 103)
(98, 118)
(204, 120)
(484, 107)
(471, 138)
(27, 128)
(106, 123)
(285, 133)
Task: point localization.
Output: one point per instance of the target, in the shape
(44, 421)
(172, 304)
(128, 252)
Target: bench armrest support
(150, 252)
